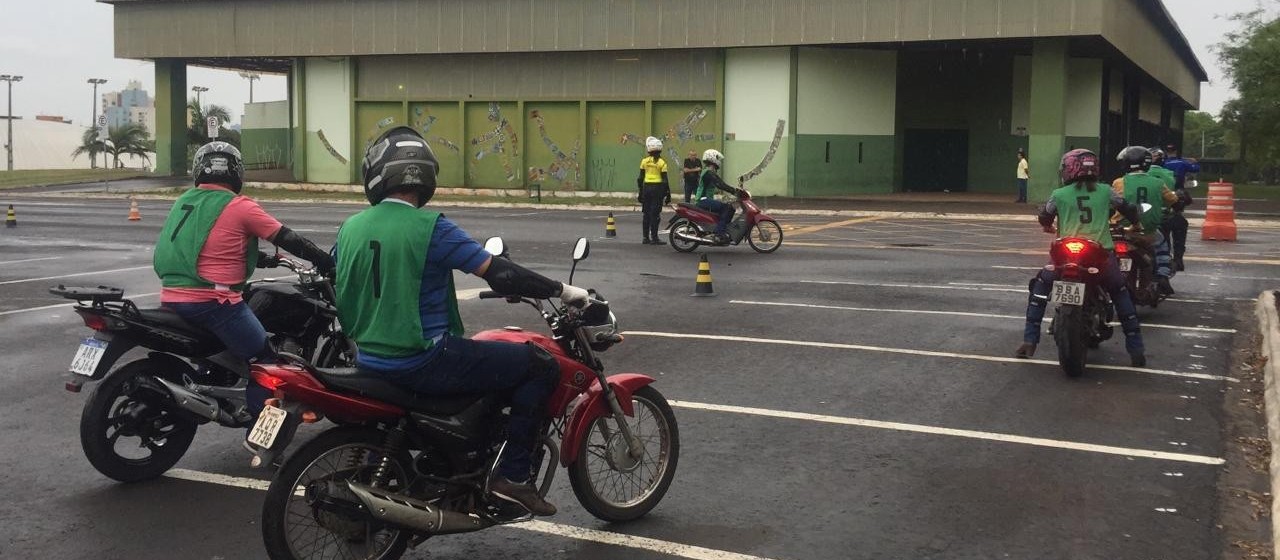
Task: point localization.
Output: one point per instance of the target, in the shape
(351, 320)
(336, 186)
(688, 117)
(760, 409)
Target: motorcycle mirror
(1192, 183)
(496, 246)
(581, 249)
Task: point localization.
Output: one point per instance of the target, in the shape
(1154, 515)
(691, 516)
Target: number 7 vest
(183, 236)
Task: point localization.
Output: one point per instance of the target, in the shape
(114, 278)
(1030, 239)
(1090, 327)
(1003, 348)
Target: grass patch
(1269, 193)
(38, 177)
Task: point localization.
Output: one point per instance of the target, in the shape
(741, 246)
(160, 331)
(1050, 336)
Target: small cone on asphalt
(134, 215)
(703, 286)
(11, 219)
(610, 227)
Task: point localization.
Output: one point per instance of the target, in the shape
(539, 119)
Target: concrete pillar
(171, 116)
(1048, 128)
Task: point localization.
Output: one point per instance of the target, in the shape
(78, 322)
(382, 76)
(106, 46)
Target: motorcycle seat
(375, 386)
(691, 206)
(169, 319)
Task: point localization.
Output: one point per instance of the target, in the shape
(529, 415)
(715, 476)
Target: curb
(1269, 325)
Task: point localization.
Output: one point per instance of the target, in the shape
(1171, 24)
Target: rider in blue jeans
(708, 183)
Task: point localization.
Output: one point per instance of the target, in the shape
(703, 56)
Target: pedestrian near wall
(692, 168)
(1024, 175)
(654, 189)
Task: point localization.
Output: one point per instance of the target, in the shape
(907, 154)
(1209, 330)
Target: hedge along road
(832, 403)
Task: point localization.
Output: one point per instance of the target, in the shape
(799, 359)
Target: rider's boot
(1026, 351)
(1163, 285)
(522, 493)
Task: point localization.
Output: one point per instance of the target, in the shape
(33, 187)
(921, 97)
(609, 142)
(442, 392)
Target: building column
(171, 116)
(1048, 128)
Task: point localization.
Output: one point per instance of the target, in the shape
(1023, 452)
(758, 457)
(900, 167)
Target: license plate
(1067, 293)
(88, 356)
(268, 427)
(1126, 265)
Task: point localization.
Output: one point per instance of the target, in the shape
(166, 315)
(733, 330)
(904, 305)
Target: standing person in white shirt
(1024, 175)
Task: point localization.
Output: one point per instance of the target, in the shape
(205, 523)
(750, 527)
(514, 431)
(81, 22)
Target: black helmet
(1135, 158)
(218, 163)
(399, 160)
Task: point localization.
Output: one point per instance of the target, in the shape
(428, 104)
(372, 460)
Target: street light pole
(199, 90)
(93, 159)
(9, 117)
(251, 76)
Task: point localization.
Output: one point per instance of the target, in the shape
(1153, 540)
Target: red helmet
(1078, 165)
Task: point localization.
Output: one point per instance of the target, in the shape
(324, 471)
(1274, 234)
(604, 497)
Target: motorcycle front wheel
(685, 227)
(612, 485)
(297, 526)
(1069, 333)
(765, 236)
(128, 429)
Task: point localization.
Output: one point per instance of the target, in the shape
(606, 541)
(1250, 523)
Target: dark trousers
(1112, 282)
(651, 196)
(463, 366)
(690, 185)
(1022, 190)
(240, 331)
(724, 211)
(1176, 226)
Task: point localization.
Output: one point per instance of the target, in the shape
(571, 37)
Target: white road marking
(931, 353)
(978, 287)
(958, 314)
(1209, 276)
(76, 274)
(57, 305)
(971, 434)
(556, 529)
(30, 260)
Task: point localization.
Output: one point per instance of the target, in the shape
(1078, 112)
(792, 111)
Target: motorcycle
(400, 468)
(188, 378)
(693, 226)
(1137, 261)
(1083, 314)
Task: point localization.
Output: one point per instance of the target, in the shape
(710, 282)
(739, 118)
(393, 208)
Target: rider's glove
(573, 295)
(267, 261)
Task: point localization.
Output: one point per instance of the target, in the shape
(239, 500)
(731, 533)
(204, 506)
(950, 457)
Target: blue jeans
(240, 331)
(463, 366)
(1112, 282)
(723, 211)
(1164, 261)
(1022, 190)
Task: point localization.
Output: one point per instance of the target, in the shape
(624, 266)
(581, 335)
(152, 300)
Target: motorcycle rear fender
(592, 406)
(293, 383)
(117, 345)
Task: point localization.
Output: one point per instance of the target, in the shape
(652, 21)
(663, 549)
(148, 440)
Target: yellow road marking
(820, 227)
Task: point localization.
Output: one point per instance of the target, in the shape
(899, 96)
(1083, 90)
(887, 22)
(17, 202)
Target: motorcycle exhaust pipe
(415, 515)
(691, 238)
(195, 403)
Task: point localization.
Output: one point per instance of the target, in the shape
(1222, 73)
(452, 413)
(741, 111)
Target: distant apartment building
(130, 106)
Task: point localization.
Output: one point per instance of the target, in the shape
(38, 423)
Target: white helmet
(652, 144)
(713, 157)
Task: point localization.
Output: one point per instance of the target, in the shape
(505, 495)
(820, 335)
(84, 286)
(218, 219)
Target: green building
(874, 96)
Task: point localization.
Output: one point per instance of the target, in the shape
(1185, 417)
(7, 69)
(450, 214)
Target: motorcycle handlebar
(490, 294)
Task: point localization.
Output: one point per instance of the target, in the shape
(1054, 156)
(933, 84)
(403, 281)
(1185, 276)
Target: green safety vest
(1170, 180)
(1142, 188)
(381, 255)
(1084, 214)
(702, 187)
(183, 235)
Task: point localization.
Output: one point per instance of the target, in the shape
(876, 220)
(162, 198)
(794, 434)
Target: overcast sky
(56, 45)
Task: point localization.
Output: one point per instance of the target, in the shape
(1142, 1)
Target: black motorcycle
(142, 416)
(1083, 314)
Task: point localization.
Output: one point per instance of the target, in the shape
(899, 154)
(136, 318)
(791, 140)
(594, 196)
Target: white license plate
(1126, 265)
(88, 356)
(1067, 293)
(268, 427)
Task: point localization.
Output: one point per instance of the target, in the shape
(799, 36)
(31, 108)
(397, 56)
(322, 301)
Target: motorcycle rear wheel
(122, 405)
(686, 227)
(604, 466)
(1070, 335)
(345, 453)
(769, 235)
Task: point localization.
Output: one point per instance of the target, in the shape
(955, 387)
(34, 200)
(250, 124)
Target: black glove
(268, 261)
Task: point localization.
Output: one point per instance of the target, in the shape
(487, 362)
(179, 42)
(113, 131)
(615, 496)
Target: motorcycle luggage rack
(98, 295)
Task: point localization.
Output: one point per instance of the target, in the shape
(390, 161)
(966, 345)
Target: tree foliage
(1204, 137)
(128, 140)
(1251, 56)
(198, 134)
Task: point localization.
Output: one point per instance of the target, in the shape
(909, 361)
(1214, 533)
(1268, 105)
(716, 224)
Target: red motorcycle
(400, 468)
(1083, 314)
(693, 226)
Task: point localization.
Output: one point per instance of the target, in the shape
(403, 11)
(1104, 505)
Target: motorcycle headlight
(602, 335)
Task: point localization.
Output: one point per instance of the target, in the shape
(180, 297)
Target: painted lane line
(958, 314)
(132, 268)
(955, 432)
(57, 305)
(969, 287)
(30, 260)
(821, 227)
(547, 528)
(930, 353)
(1209, 276)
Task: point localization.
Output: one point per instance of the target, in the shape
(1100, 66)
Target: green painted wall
(741, 156)
(328, 96)
(1049, 63)
(553, 145)
(371, 120)
(265, 148)
(613, 156)
(440, 123)
(171, 124)
(494, 155)
(757, 94)
(829, 164)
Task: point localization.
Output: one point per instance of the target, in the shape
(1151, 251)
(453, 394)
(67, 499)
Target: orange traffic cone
(1220, 213)
(134, 215)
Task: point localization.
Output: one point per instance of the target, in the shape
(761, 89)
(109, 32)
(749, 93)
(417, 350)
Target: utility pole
(9, 117)
(251, 76)
(199, 90)
(93, 159)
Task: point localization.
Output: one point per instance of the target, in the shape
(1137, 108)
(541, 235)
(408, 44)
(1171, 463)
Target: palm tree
(197, 133)
(130, 139)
